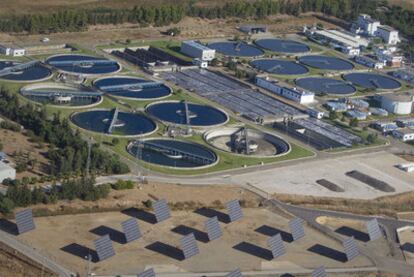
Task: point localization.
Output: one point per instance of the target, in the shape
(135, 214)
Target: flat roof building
(6, 172)
(404, 134)
(367, 24)
(253, 29)
(388, 34)
(12, 50)
(197, 50)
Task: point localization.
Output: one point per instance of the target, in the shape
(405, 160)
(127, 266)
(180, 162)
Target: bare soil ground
(406, 238)
(14, 142)
(13, 263)
(67, 239)
(407, 157)
(179, 197)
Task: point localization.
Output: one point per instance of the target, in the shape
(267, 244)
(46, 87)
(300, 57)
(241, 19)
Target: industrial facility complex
(184, 155)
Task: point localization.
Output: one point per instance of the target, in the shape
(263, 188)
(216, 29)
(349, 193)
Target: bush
(6, 205)
(122, 185)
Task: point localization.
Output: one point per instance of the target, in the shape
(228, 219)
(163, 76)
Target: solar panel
(234, 273)
(351, 248)
(24, 221)
(374, 230)
(213, 229)
(104, 249)
(276, 245)
(131, 230)
(162, 212)
(234, 210)
(319, 272)
(189, 246)
(296, 228)
(147, 273)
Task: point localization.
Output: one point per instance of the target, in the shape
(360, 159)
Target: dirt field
(17, 142)
(15, 264)
(67, 239)
(180, 197)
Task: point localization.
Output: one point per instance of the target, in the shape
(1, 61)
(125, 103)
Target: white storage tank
(401, 104)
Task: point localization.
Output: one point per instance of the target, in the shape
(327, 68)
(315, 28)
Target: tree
(333, 115)
(354, 122)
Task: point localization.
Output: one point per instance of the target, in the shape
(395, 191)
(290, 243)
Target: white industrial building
(388, 34)
(404, 134)
(346, 42)
(389, 56)
(295, 94)
(401, 104)
(11, 50)
(6, 172)
(197, 50)
(369, 62)
(366, 25)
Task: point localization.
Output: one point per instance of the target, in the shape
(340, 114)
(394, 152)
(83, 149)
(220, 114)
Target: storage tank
(401, 104)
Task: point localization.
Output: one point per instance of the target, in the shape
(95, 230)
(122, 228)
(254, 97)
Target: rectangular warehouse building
(6, 172)
(197, 50)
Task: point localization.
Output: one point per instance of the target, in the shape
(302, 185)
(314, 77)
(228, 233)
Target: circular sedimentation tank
(173, 153)
(281, 67)
(132, 88)
(83, 64)
(325, 62)
(283, 45)
(61, 95)
(236, 49)
(175, 112)
(325, 86)
(36, 72)
(372, 81)
(259, 144)
(125, 124)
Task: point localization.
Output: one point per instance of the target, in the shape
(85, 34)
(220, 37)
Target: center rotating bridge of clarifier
(83, 64)
(23, 71)
(236, 49)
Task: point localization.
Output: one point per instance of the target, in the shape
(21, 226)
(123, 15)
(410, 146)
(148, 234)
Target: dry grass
(387, 205)
(408, 4)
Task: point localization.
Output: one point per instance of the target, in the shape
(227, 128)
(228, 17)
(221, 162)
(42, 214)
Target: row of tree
(22, 195)
(68, 152)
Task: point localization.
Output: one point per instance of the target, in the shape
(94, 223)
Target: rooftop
(387, 28)
(343, 37)
(405, 131)
(402, 97)
(197, 45)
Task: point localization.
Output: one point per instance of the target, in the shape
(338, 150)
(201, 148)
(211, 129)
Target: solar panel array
(131, 230)
(213, 229)
(351, 248)
(147, 273)
(161, 210)
(296, 228)
(24, 221)
(104, 248)
(319, 272)
(374, 230)
(231, 94)
(276, 246)
(189, 246)
(234, 210)
(234, 273)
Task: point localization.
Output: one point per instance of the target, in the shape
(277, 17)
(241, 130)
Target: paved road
(34, 255)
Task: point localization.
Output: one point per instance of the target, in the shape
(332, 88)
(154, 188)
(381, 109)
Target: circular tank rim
(130, 144)
(85, 74)
(55, 85)
(373, 73)
(230, 130)
(28, 81)
(227, 55)
(325, 56)
(111, 135)
(194, 126)
(295, 53)
(279, 59)
(131, 98)
(332, 94)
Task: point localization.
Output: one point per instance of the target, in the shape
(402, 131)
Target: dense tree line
(22, 195)
(79, 19)
(67, 151)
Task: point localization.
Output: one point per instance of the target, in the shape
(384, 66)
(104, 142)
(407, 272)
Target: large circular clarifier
(176, 113)
(283, 46)
(32, 72)
(281, 67)
(173, 153)
(326, 62)
(132, 87)
(108, 122)
(258, 144)
(236, 49)
(325, 86)
(60, 95)
(82, 64)
(372, 81)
